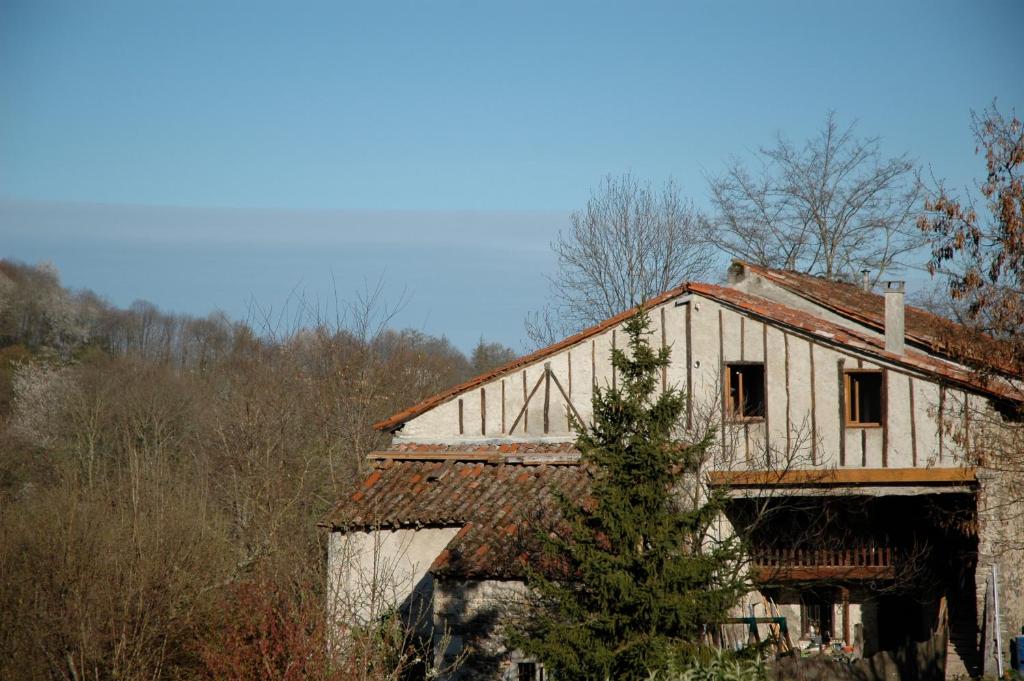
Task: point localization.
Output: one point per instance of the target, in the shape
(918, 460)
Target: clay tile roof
(490, 502)
(922, 328)
(834, 334)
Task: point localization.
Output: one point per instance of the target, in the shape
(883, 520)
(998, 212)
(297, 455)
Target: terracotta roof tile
(855, 341)
(490, 502)
(922, 328)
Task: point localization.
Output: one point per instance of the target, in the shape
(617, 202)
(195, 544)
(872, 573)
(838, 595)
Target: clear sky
(210, 154)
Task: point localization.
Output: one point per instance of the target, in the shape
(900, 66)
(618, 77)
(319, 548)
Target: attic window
(863, 390)
(745, 390)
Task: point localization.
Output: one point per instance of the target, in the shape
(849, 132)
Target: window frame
(730, 412)
(531, 670)
(850, 405)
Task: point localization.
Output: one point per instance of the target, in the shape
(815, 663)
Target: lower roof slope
(492, 502)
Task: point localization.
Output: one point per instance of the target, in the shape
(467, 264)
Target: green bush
(720, 666)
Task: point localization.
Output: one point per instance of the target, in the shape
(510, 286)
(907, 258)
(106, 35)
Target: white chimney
(894, 334)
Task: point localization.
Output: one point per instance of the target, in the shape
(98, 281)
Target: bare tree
(630, 243)
(490, 355)
(833, 206)
(979, 253)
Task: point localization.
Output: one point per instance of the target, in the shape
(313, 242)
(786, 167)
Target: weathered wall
(372, 573)
(1001, 542)
(804, 425)
(468, 619)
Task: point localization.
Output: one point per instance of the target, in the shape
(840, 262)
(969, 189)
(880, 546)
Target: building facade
(851, 442)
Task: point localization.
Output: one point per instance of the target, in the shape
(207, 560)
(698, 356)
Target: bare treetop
(629, 244)
(833, 206)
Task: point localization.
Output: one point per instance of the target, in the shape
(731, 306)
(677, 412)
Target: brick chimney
(894, 327)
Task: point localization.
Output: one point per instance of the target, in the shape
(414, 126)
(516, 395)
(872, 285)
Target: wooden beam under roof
(844, 476)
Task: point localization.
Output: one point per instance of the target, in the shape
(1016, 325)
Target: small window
(530, 671)
(816, 616)
(863, 398)
(745, 390)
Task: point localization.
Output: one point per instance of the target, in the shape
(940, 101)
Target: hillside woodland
(162, 478)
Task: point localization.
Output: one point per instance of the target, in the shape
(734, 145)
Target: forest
(162, 476)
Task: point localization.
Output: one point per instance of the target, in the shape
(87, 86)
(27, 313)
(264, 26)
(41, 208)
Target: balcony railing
(866, 561)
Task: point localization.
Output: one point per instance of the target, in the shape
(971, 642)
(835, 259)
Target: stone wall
(469, 620)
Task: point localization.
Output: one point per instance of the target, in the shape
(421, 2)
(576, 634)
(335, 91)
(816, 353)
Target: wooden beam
(524, 413)
(844, 476)
(547, 458)
(772, 575)
(547, 396)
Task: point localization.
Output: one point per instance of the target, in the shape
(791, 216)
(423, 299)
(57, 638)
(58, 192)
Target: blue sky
(210, 154)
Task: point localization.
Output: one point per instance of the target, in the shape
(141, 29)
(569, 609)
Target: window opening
(863, 398)
(529, 671)
(745, 390)
(816, 617)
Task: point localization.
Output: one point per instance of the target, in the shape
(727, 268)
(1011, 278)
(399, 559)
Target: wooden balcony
(865, 562)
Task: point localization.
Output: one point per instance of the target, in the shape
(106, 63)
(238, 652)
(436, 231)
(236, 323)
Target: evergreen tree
(629, 577)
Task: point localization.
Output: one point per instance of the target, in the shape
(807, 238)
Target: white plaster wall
(743, 339)
(370, 573)
(826, 405)
(897, 406)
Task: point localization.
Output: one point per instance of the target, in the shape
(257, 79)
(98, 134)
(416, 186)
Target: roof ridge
(834, 333)
(940, 340)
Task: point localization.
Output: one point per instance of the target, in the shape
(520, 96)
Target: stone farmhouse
(851, 443)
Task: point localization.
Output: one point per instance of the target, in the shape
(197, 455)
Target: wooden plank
(551, 458)
(814, 411)
(913, 423)
(789, 426)
(568, 401)
(593, 366)
(844, 597)
(821, 572)
(844, 476)
(614, 346)
(967, 422)
(462, 430)
(568, 364)
(689, 370)
(524, 412)
(743, 338)
(764, 394)
(435, 456)
(942, 418)
(664, 369)
(483, 411)
(547, 397)
(844, 397)
(885, 419)
(723, 373)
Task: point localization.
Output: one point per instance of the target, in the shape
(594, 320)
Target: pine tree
(632, 575)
